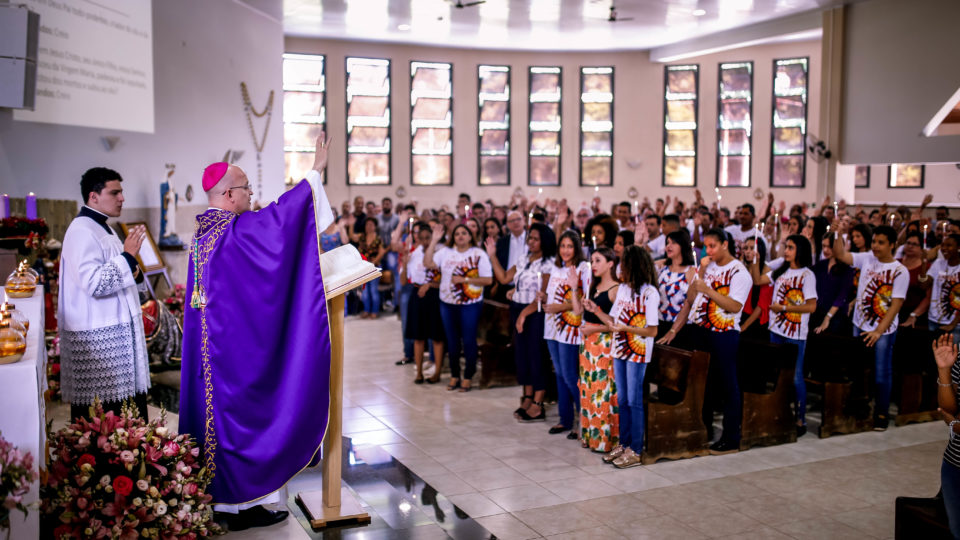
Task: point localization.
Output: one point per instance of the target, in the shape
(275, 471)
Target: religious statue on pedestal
(168, 213)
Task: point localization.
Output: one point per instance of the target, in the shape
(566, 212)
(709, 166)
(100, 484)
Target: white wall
(638, 120)
(202, 50)
(900, 66)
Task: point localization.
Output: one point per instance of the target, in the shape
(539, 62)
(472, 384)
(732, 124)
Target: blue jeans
(460, 324)
(371, 296)
(566, 365)
(950, 486)
(629, 378)
(935, 328)
(798, 381)
(404, 302)
(722, 382)
(883, 370)
(390, 262)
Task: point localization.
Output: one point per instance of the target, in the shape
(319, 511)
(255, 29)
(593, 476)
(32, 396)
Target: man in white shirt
(745, 229)
(103, 348)
(657, 242)
(513, 246)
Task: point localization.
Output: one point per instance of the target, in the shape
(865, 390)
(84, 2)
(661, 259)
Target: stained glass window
(368, 121)
(734, 124)
(431, 123)
(304, 111)
(494, 125)
(788, 161)
(544, 127)
(681, 84)
(596, 126)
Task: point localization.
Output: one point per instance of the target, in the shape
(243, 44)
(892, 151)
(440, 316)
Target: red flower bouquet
(121, 477)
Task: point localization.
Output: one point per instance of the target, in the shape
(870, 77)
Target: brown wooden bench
(843, 369)
(766, 380)
(494, 338)
(915, 376)
(675, 427)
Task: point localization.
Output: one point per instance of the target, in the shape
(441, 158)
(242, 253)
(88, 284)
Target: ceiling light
(403, 27)
(699, 12)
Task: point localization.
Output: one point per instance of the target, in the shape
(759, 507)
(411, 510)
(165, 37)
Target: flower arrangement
(175, 301)
(22, 234)
(121, 477)
(53, 369)
(16, 475)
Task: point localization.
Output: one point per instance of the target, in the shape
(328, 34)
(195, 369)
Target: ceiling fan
(460, 4)
(613, 17)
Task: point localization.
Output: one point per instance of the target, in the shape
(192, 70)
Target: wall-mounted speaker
(19, 31)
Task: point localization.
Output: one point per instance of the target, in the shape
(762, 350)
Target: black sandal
(521, 412)
(418, 380)
(557, 429)
(453, 385)
(542, 417)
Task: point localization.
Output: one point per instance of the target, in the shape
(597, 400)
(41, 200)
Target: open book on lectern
(344, 269)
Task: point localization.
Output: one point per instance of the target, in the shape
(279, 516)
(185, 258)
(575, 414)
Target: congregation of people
(600, 286)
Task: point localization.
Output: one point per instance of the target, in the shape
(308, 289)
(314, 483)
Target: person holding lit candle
(529, 280)
(673, 280)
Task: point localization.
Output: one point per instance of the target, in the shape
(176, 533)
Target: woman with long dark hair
(794, 299)
(717, 299)
(423, 311)
(673, 280)
(562, 328)
(599, 420)
(601, 232)
(464, 272)
(634, 318)
(755, 314)
(528, 277)
(834, 283)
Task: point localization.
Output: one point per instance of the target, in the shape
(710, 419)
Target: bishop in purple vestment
(256, 339)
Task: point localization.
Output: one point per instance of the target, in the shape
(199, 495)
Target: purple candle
(6, 206)
(31, 206)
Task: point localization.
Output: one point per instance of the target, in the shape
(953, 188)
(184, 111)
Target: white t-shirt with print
(879, 284)
(417, 272)
(733, 280)
(793, 287)
(740, 236)
(945, 296)
(473, 262)
(525, 280)
(639, 309)
(565, 326)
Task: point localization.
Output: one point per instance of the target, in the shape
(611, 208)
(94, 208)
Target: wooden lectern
(343, 270)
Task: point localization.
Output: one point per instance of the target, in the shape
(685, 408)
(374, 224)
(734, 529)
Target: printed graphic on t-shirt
(630, 346)
(713, 317)
(950, 297)
(566, 323)
(432, 275)
(790, 293)
(877, 296)
(469, 268)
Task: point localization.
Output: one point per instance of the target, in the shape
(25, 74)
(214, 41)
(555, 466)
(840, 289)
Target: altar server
(102, 344)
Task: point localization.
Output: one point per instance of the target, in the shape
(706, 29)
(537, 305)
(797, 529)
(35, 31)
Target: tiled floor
(519, 482)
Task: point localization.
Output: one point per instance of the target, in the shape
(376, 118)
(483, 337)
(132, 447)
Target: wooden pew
(494, 337)
(915, 376)
(675, 427)
(766, 380)
(843, 367)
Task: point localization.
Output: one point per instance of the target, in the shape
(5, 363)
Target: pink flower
(190, 489)
(171, 449)
(142, 485)
(82, 503)
(127, 456)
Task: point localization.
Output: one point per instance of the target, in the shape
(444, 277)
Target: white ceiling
(532, 24)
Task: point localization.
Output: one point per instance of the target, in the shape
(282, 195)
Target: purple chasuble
(255, 376)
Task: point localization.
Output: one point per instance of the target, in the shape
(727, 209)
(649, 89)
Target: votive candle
(31, 206)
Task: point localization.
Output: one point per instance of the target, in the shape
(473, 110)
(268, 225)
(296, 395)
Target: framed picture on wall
(862, 176)
(905, 175)
(148, 256)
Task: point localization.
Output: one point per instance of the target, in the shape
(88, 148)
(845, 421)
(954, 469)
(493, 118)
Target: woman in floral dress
(599, 414)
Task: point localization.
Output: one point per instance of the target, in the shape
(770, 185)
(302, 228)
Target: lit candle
(891, 219)
(466, 210)
(925, 237)
(756, 244)
(539, 284)
(694, 248)
(6, 206)
(31, 206)
(836, 209)
(594, 242)
(596, 189)
(540, 191)
(717, 191)
(776, 225)
(636, 210)
(530, 217)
